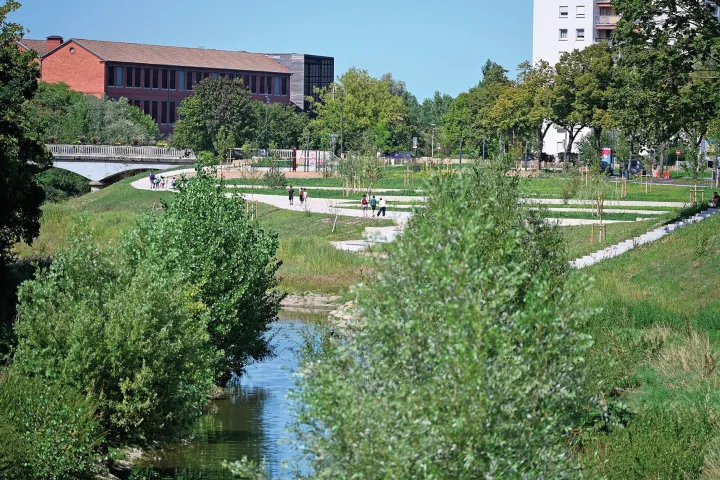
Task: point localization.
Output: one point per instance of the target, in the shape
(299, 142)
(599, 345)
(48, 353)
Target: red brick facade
(157, 89)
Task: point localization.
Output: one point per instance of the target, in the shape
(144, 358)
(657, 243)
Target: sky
(431, 46)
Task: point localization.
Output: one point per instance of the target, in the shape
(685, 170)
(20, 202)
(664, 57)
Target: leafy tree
(216, 103)
(285, 126)
(22, 153)
(131, 337)
(433, 110)
(467, 361)
(56, 111)
(60, 184)
(371, 111)
(228, 258)
(47, 431)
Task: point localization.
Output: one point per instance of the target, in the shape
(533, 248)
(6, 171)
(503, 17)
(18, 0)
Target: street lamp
(342, 120)
(333, 137)
(267, 117)
(433, 140)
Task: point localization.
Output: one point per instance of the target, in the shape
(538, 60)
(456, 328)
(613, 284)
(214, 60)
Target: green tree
(371, 111)
(22, 153)
(132, 338)
(60, 184)
(228, 258)
(216, 103)
(285, 126)
(467, 360)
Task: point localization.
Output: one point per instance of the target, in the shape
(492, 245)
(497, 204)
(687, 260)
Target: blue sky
(430, 45)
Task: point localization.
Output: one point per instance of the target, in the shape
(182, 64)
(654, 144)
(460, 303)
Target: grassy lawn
(310, 262)
(578, 238)
(657, 341)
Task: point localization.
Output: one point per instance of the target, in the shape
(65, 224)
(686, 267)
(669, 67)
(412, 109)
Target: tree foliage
(216, 104)
(71, 117)
(468, 361)
(60, 184)
(229, 260)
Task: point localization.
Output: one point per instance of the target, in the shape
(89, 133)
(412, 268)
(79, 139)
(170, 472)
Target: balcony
(606, 22)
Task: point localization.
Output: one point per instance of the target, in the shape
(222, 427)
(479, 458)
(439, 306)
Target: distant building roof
(180, 56)
(40, 46)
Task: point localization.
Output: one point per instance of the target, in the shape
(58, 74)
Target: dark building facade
(308, 72)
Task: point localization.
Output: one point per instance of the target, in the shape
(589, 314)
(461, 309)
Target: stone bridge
(100, 163)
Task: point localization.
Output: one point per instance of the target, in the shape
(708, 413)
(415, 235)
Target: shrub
(46, 431)
(468, 361)
(61, 184)
(274, 178)
(228, 258)
(133, 339)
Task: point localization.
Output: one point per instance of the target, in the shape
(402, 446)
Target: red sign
(678, 152)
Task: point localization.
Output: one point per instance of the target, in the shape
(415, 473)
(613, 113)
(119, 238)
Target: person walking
(364, 204)
(373, 204)
(383, 205)
(305, 194)
(152, 180)
(291, 194)
(302, 196)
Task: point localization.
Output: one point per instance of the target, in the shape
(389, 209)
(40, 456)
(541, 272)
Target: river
(247, 422)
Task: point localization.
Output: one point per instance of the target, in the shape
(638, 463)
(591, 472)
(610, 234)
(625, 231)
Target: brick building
(154, 78)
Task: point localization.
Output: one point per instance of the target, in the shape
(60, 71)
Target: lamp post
(333, 137)
(267, 118)
(433, 140)
(342, 120)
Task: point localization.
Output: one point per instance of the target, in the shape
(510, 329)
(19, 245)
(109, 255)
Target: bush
(274, 178)
(132, 338)
(468, 362)
(228, 259)
(46, 431)
(61, 184)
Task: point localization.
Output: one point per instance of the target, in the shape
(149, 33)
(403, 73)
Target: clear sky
(439, 45)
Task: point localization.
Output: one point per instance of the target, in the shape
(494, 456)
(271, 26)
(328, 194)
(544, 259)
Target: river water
(248, 422)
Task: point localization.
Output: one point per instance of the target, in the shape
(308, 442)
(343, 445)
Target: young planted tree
(467, 361)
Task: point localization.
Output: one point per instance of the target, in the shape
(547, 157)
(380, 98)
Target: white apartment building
(561, 26)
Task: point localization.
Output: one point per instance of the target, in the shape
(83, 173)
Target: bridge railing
(120, 151)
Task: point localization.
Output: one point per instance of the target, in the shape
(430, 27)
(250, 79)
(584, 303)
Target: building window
(138, 103)
(277, 86)
(129, 77)
(156, 83)
(138, 83)
(206, 75)
(164, 79)
(154, 110)
(118, 77)
(262, 85)
(189, 81)
(563, 34)
(198, 77)
(147, 78)
(284, 86)
(181, 79)
(561, 53)
(580, 12)
(111, 76)
(163, 112)
(254, 83)
(247, 81)
(146, 107)
(173, 86)
(172, 112)
(215, 75)
(580, 33)
(560, 147)
(564, 11)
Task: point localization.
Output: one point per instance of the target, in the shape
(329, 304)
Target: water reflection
(249, 421)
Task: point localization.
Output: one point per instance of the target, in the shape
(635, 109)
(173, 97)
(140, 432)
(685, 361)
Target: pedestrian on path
(305, 194)
(302, 196)
(383, 205)
(152, 180)
(364, 204)
(373, 204)
(291, 194)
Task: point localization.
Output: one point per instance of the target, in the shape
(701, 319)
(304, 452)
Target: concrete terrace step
(649, 237)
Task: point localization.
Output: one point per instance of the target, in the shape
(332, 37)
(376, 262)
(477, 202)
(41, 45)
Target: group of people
(159, 182)
(291, 195)
(373, 203)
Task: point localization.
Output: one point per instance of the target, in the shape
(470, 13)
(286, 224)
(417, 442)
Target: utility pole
(342, 122)
(267, 117)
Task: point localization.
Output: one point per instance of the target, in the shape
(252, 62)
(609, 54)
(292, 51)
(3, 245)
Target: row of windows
(166, 114)
(579, 34)
(153, 78)
(579, 11)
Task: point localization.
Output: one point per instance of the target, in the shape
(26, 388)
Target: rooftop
(141, 53)
(38, 45)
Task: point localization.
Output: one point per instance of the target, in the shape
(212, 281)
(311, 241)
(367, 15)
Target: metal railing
(607, 19)
(120, 151)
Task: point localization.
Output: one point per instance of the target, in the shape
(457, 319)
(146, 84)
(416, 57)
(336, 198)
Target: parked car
(636, 167)
(606, 167)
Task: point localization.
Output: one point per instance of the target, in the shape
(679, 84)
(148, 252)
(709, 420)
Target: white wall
(547, 44)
